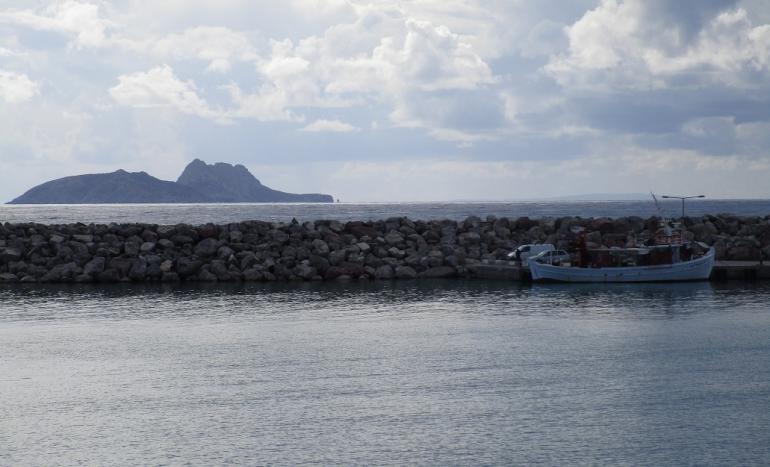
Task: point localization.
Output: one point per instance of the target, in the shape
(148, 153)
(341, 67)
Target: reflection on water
(419, 373)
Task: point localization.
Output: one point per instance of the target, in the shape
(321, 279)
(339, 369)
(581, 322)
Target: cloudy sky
(387, 100)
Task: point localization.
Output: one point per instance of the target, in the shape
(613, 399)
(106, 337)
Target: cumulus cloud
(159, 87)
(219, 46)
(334, 126)
(637, 44)
(492, 88)
(16, 87)
(73, 17)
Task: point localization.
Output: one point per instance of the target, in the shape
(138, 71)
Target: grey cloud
(687, 17)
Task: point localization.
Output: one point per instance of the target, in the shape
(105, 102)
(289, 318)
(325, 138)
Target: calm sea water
(428, 373)
(423, 373)
(225, 213)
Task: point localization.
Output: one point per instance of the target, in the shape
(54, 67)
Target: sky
(393, 100)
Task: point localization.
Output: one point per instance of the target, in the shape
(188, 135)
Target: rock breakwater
(396, 248)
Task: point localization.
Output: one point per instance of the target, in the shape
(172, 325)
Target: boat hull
(693, 270)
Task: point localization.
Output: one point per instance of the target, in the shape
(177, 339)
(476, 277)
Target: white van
(524, 252)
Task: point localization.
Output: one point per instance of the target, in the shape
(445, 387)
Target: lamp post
(683, 198)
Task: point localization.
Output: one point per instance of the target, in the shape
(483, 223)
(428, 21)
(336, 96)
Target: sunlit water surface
(283, 212)
(431, 373)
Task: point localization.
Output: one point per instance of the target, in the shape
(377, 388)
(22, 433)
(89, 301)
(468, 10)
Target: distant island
(199, 183)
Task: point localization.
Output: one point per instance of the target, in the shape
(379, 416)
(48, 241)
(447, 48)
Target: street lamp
(683, 198)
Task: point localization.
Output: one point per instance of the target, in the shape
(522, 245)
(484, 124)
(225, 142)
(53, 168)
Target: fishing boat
(664, 258)
(631, 265)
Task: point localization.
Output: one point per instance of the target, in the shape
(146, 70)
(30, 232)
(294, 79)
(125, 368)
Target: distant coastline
(198, 183)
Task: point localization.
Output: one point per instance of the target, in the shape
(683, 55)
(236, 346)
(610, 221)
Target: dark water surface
(430, 373)
(226, 213)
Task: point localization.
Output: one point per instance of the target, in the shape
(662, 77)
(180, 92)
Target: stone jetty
(396, 248)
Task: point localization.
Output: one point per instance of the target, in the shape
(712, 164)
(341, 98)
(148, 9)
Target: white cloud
(219, 46)
(80, 19)
(629, 45)
(4, 52)
(15, 87)
(159, 87)
(334, 126)
(267, 104)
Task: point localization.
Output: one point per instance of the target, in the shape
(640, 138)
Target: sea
(169, 214)
(452, 372)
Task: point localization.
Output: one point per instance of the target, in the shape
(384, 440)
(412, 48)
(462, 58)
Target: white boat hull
(693, 270)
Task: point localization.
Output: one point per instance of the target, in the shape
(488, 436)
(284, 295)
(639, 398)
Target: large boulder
(405, 272)
(138, 270)
(394, 238)
(8, 277)
(305, 271)
(121, 265)
(320, 247)
(207, 247)
(205, 274)
(383, 272)
(186, 267)
(8, 255)
(439, 272)
(95, 266)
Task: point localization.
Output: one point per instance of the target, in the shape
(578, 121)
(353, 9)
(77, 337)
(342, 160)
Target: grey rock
(225, 252)
(83, 279)
(439, 272)
(108, 276)
(236, 236)
(9, 254)
(207, 248)
(320, 247)
(253, 275)
(305, 271)
(131, 249)
(153, 266)
(56, 238)
(150, 236)
(167, 231)
(170, 277)
(166, 266)
(220, 269)
(383, 272)
(121, 265)
(62, 273)
(394, 238)
(182, 240)
(205, 275)
(405, 272)
(248, 260)
(147, 247)
(337, 256)
(95, 266)
(469, 238)
(138, 269)
(186, 267)
(8, 277)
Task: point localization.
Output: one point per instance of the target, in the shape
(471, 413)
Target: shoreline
(325, 250)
